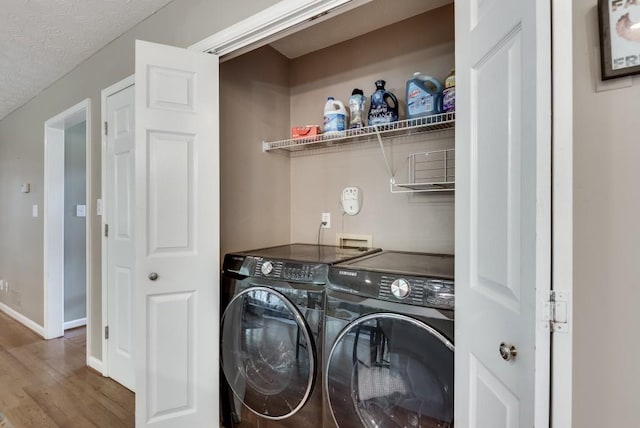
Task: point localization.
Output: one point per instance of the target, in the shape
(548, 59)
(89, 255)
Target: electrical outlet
(326, 218)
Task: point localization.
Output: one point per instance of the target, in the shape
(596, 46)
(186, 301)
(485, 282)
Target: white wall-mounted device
(351, 200)
(25, 187)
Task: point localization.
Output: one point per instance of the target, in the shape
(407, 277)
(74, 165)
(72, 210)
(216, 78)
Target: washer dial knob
(400, 288)
(266, 268)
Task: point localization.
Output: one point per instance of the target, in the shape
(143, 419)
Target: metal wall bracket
(556, 311)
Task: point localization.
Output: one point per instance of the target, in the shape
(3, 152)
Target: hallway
(47, 383)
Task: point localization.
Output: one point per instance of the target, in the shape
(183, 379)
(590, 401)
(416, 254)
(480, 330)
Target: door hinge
(106, 128)
(106, 230)
(106, 332)
(556, 311)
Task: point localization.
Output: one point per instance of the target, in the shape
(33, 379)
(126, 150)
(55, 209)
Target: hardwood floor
(46, 383)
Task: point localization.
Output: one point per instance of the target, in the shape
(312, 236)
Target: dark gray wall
(75, 236)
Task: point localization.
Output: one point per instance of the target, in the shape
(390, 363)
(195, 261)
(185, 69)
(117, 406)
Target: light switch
(99, 207)
(34, 211)
(25, 187)
(81, 210)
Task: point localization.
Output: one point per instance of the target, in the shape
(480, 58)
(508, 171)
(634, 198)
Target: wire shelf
(432, 171)
(401, 128)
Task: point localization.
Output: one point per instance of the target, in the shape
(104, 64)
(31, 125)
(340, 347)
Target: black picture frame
(615, 14)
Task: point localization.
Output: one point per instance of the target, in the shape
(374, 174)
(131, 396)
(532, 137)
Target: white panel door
(177, 237)
(121, 237)
(503, 195)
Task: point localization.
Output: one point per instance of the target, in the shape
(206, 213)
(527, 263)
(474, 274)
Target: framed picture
(619, 37)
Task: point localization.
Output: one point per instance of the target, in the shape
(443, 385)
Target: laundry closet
(278, 196)
(270, 195)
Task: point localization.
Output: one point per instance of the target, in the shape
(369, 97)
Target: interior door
(120, 239)
(177, 237)
(502, 212)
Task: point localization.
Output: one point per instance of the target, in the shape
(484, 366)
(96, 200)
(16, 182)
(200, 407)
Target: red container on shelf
(305, 131)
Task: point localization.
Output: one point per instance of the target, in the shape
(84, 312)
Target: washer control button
(400, 288)
(266, 268)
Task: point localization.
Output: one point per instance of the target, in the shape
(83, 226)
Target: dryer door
(389, 370)
(267, 354)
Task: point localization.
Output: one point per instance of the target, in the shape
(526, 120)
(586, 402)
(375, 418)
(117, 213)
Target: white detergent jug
(335, 117)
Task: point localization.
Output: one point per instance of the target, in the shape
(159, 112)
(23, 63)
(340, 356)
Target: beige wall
(181, 23)
(254, 191)
(415, 222)
(271, 93)
(606, 287)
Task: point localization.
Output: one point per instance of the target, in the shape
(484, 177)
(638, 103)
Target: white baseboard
(75, 323)
(27, 322)
(95, 364)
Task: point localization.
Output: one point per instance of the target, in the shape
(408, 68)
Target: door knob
(508, 352)
(153, 276)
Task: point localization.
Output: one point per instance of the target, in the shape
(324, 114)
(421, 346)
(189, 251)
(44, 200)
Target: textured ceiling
(42, 40)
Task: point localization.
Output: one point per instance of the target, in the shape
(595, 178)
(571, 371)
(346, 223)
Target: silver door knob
(153, 276)
(508, 352)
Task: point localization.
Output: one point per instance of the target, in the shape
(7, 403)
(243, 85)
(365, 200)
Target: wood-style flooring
(46, 383)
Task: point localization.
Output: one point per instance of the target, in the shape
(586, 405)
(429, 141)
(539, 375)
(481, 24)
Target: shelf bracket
(384, 154)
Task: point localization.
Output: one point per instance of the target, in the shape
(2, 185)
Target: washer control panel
(417, 291)
(287, 270)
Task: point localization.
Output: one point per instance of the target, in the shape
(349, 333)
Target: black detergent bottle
(384, 106)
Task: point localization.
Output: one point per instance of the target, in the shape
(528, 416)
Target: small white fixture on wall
(81, 210)
(25, 187)
(351, 200)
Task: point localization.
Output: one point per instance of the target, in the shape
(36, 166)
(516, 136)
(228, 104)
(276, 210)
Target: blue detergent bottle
(424, 96)
(384, 106)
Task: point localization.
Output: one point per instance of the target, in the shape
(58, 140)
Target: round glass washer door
(267, 354)
(388, 370)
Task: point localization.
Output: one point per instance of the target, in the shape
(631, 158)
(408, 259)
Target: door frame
(104, 94)
(274, 22)
(288, 16)
(53, 213)
(562, 206)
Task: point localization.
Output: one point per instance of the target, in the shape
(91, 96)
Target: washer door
(267, 354)
(389, 370)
